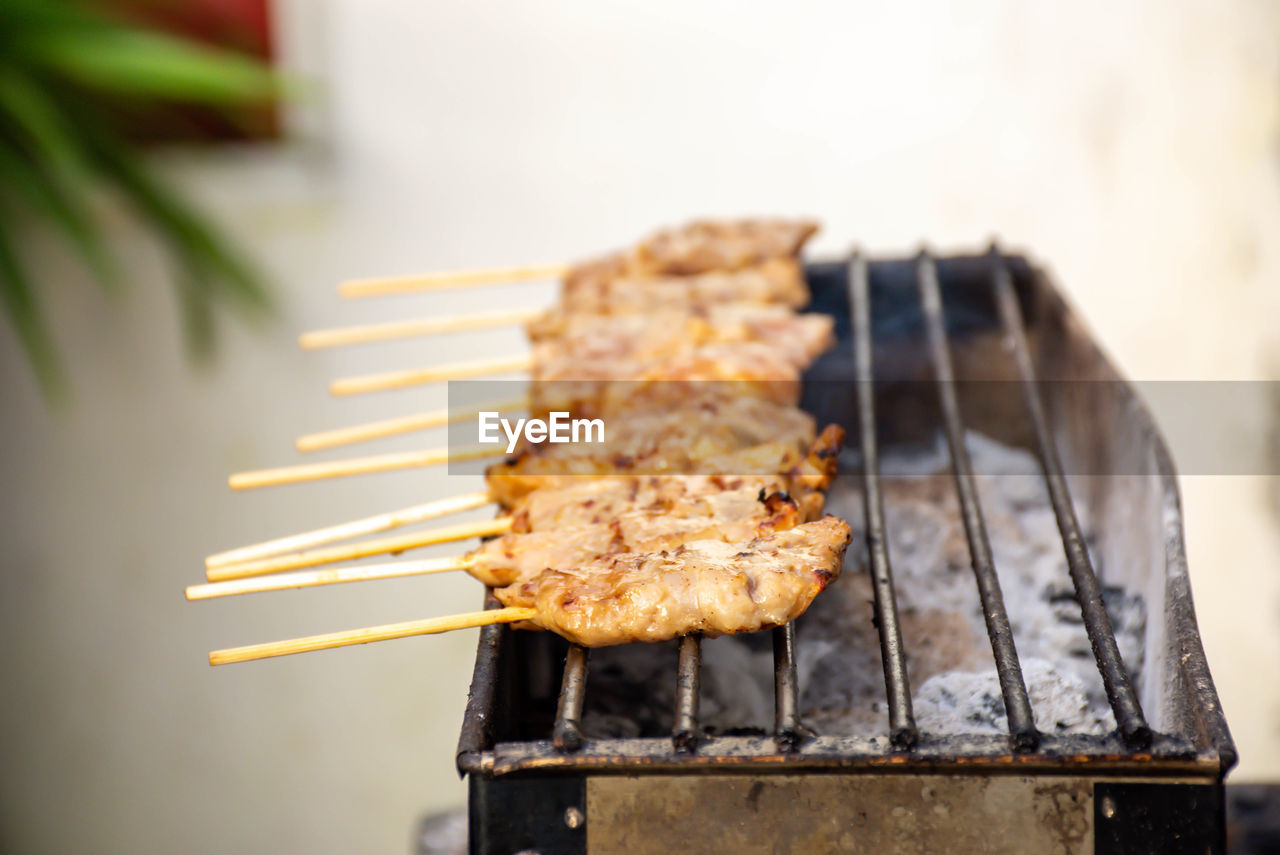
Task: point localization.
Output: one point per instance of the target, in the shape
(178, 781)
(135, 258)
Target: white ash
(631, 690)
(959, 702)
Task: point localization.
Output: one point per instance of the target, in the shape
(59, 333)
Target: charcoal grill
(538, 783)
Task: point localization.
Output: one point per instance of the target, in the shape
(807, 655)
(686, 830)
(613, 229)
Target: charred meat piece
(700, 247)
(597, 501)
(592, 388)
(607, 286)
(706, 426)
(705, 245)
(516, 557)
(515, 478)
(710, 587)
(577, 336)
(621, 361)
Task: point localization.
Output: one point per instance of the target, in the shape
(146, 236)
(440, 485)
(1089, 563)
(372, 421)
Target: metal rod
(688, 678)
(567, 733)
(1017, 706)
(902, 725)
(1102, 638)
(477, 725)
(786, 707)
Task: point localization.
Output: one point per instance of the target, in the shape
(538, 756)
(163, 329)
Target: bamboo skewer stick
(373, 633)
(418, 327)
(430, 374)
(403, 424)
(451, 279)
(360, 466)
(328, 576)
(352, 551)
(348, 530)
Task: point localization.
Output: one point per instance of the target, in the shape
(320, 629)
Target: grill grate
(1022, 725)
(684, 736)
(902, 724)
(1102, 638)
(786, 704)
(484, 748)
(567, 734)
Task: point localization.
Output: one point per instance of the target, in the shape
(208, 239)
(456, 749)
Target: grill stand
(1136, 790)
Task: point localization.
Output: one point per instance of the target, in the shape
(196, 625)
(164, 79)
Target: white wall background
(1131, 145)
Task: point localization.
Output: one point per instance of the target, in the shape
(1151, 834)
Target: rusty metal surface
(749, 754)
(482, 701)
(853, 814)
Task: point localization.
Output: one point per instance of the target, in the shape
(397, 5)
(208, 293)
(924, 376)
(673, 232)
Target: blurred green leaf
(68, 77)
(198, 245)
(151, 65)
(24, 312)
(196, 307)
(52, 175)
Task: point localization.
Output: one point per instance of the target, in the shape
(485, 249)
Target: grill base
(856, 814)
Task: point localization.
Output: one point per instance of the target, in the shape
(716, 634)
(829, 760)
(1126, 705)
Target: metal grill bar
(1102, 638)
(786, 708)
(567, 733)
(902, 724)
(477, 725)
(688, 680)
(1017, 706)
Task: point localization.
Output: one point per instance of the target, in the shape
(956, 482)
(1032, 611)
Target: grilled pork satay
(709, 424)
(517, 557)
(597, 501)
(594, 389)
(709, 587)
(751, 361)
(705, 245)
(733, 321)
(607, 287)
(513, 479)
(628, 363)
(702, 246)
(761, 369)
(578, 338)
(510, 480)
(621, 527)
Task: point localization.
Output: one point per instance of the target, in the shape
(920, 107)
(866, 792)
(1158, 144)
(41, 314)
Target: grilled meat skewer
(516, 557)
(701, 246)
(709, 587)
(810, 469)
(580, 336)
(608, 288)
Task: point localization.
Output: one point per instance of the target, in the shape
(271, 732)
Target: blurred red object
(244, 26)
